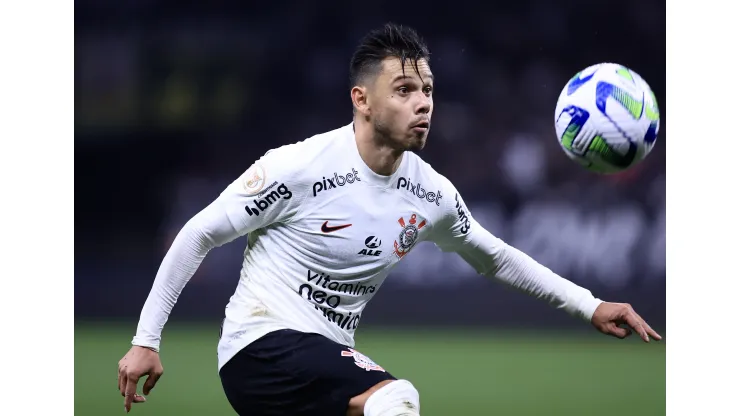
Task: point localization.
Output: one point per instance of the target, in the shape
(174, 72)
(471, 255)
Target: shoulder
(449, 211)
(300, 156)
(429, 180)
(292, 164)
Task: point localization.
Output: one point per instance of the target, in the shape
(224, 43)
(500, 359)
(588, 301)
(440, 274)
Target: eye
(403, 90)
(428, 89)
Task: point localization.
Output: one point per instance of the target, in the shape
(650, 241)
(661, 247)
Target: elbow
(196, 235)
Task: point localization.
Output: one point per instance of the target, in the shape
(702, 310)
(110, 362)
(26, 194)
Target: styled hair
(391, 40)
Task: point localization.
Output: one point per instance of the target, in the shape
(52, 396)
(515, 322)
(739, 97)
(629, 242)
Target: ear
(360, 100)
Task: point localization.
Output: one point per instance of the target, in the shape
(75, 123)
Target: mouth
(424, 125)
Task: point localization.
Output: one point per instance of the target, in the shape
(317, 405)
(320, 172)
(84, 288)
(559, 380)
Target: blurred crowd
(173, 101)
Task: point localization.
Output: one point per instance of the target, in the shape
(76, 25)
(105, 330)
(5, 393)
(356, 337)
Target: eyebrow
(402, 76)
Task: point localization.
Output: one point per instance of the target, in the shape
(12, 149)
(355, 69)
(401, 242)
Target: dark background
(174, 100)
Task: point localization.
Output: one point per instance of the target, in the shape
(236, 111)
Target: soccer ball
(607, 118)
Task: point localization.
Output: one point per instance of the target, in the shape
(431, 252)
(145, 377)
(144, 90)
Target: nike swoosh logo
(326, 229)
(576, 83)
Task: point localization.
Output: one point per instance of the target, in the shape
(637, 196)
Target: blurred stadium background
(174, 100)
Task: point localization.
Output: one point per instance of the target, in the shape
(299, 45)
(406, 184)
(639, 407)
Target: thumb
(150, 382)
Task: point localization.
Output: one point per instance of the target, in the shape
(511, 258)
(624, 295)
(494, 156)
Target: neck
(376, 151)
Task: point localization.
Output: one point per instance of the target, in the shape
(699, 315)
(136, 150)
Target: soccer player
(327, 219)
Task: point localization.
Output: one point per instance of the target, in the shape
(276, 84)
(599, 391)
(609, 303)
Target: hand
(609, 316)
(138, 362)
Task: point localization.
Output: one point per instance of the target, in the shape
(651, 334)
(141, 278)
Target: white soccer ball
(607, 118)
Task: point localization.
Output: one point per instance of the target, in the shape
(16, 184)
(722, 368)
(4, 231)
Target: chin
(417, 143)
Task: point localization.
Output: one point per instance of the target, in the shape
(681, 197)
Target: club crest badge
(362, 360)
(409, 234)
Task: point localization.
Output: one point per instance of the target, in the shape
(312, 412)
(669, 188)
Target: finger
(121, 384)
(638, 325)
(139, 398)
(122, 379)
(655, 335)
(130, 392)
(150, 382)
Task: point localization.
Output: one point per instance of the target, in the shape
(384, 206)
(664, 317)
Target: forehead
(393, 70)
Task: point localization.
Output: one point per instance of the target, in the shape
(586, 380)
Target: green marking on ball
(601, 147)
(570, 135)
(625, 73)
(652, 111)
(632, 105)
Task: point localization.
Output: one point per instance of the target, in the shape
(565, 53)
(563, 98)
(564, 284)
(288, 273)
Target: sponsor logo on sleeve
(462, 215)
(267, 199)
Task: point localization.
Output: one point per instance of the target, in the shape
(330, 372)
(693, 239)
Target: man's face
(400, 101)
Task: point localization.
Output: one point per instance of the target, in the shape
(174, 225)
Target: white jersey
(324, 231)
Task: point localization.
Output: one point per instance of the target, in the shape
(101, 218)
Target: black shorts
(293, 373)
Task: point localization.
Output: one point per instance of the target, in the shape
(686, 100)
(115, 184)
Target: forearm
(494, 258)
(520, 271)
(178, 266)
(490, 256)
(210, 228)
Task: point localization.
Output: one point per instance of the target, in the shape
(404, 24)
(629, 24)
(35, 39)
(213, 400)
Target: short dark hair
(391, 40)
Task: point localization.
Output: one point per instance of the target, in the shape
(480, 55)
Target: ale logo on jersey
(371, 243)
(362, 360)
(409, 234)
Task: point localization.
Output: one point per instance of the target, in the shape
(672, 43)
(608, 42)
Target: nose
(424, 104)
